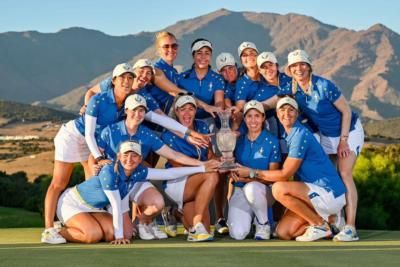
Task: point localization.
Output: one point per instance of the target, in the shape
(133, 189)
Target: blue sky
(121, 17)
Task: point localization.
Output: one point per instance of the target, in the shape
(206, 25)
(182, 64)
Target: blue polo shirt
(104, 108)
(202, 89)
(319, 106)
(315, 168)
(229, 92)
(246, 88)
(152, 104)
(164, 99)
(92, 190)
(114, 134)
(181, 145)
(257, 154)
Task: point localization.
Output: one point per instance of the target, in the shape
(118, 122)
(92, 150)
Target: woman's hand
(343, 149)
(238, 178)
(211, 109)
(82, 110)
(212, 165)
(241, 171)
(120, 241)
(198, 139)
(97, 167)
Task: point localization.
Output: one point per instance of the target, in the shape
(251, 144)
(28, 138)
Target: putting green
(19, 247)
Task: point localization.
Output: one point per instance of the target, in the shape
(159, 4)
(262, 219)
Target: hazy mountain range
(56, 68)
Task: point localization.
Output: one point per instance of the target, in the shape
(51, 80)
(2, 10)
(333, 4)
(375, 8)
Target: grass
(21, 247)
(17, 218)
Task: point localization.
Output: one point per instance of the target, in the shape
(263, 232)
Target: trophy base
(228, 166)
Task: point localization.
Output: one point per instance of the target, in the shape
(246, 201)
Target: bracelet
(344, 137)
(186, 136)
(188, 132)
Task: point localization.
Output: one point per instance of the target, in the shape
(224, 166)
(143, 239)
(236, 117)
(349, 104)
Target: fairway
(21, 247)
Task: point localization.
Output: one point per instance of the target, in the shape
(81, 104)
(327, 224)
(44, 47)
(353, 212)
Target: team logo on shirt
(210, 86)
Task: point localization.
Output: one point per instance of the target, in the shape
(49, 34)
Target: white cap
(297, 56)
(245, 45)
(287, 100)
(143, 62)
(200, 44)
(264, 57)
(121, 69)
(185, 99)
(253, 104)
(225, 59)
(134, 101)
(130, 146)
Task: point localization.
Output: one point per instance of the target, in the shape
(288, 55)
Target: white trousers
(251, 200)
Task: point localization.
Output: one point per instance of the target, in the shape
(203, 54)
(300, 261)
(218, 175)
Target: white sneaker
(145, 232)
(347, 234)
(315, 232)
(51, 236)
(199, 234)
(263, 232)
(155, 229)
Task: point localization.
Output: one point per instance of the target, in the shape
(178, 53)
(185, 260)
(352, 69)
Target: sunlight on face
(186, 114)
(254, 120)
(202, 57)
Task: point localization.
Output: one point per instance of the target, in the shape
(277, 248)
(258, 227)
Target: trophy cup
(226, 141)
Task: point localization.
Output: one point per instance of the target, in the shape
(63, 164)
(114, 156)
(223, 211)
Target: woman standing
(258, 150)
(340, 129)
(71, 143)
(81, 208)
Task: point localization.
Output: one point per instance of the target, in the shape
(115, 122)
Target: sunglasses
(172, 46)
(185, 93)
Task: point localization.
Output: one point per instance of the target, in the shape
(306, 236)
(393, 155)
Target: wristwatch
(252, 174)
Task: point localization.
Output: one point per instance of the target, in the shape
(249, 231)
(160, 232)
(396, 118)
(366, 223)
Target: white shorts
(355, 140)
(70, 203)
(175, 189)
(324, 202)
(70, 144)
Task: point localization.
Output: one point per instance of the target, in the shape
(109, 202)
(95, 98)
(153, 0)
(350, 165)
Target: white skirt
(70, 144)
(70, 203)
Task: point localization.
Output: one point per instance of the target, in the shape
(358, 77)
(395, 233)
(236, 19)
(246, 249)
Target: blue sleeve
(108, 178)
(167, 137)
(106, 84)
(156, 142)
(240, 92)
(298, 146)
(152, 104)
(93, 106)
(333, 92)
(219, 83)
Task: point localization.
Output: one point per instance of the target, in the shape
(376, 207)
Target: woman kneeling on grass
(81, 208)
(318, 191)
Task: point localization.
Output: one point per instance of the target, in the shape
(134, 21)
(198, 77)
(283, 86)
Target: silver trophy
(226, 141)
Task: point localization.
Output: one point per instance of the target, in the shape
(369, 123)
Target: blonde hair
(161, 35)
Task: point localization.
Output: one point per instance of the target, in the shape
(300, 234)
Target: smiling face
(249, 58)
(287, 115)
(202, 57)
(123, 83)
(254, 120)
(300, 71)
(135, 116)
(269, 71)
(129, 161)
(229, 73)
(167, 48)
(143, 76)
(186, 114)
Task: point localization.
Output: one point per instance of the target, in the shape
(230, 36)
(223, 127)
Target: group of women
(288, 125)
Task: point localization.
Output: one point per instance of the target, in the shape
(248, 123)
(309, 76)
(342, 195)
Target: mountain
(362, 63)
(17, 112)
(37, 66)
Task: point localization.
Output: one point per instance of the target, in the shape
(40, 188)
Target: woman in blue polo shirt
(258, 149)
(194, 193)
(316, 194)
(340, 129)
(81, 208)
(132, 129)
(71, 142)
(167, 48)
